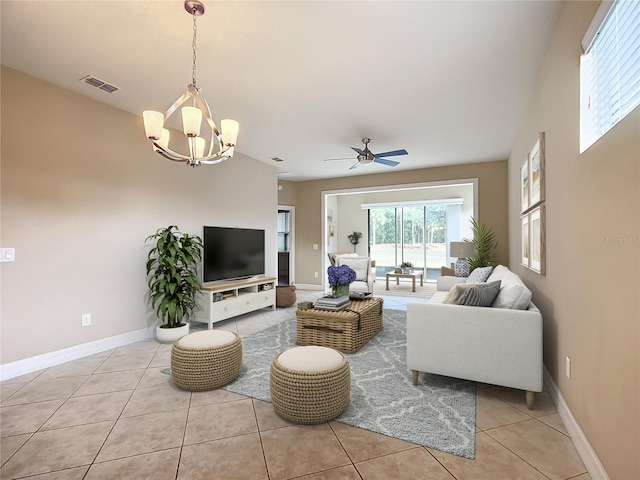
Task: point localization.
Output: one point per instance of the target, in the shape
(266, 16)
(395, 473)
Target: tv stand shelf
(220, 301)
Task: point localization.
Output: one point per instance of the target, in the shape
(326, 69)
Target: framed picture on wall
(524, 185)
(536, 179)
(526, 241)
(537, 233)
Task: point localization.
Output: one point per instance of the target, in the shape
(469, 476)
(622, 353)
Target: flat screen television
(232, 253)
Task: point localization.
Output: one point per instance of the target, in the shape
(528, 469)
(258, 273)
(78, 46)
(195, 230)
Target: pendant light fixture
(221, 143)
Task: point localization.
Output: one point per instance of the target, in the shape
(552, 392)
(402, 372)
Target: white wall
(79, 199)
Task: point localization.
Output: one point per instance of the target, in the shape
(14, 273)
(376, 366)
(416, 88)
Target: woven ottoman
(206, 360)
(310, 384)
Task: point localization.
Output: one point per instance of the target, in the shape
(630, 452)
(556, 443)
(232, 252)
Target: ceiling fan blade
(384, 161)
(334, 159)
(357, 150)
(392, 153)
(355, 165)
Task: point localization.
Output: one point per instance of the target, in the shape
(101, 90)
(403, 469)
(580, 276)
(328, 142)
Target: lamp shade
(229, 130)
(191, 121)
(153, 123)
(164, 138)
(461, 249)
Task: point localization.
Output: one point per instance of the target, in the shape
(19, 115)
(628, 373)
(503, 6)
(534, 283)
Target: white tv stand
(238, 297)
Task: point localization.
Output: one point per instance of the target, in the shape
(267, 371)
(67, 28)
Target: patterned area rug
(438, 413)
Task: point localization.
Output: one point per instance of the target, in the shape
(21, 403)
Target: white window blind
(609, 69)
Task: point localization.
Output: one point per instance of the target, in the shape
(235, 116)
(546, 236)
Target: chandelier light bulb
(164, 139)
(191, 121)
(153, 123)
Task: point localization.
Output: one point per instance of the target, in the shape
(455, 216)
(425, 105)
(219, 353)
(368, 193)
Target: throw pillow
(480, 275)
(480, 296)
(359, 264)
(456, 292)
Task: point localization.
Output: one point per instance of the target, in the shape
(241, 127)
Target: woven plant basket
(207, 368)
(310, 397)
(285, 295)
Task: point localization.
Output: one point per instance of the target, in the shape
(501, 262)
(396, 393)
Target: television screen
(232, 253)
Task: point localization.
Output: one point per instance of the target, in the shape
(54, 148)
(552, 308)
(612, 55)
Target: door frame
(292, 241)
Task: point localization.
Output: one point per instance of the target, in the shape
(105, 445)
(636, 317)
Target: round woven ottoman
(310, 384)
(206, 360)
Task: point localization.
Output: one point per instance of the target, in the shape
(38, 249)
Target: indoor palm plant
(485, 245)
(172, 267)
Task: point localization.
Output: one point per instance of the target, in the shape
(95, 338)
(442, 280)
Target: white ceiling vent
(101, 84)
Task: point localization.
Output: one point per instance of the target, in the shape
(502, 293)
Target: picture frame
(536, 174)
(524, 185)
(537, 233)
(525, 241)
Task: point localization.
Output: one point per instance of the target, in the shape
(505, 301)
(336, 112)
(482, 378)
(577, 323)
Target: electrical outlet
(316, 274)
(86, 319)
(567, 367)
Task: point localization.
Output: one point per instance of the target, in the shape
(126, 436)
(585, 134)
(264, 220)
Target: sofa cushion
(360, 265)
(332, 256)
(480, 296)
(456, 292)
(513, 293)
(479, 274)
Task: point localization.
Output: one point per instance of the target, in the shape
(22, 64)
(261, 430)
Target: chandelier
(221, 143)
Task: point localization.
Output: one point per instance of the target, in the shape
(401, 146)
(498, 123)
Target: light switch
(7, 254)
(315, 246)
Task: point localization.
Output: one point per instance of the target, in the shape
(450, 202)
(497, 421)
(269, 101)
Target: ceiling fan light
(153, 123)
(191, 121)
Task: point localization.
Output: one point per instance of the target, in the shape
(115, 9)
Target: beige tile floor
(115, 415)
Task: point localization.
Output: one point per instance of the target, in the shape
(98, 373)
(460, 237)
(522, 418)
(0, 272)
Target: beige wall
(81, 190)
(590, 296)
(492, 206)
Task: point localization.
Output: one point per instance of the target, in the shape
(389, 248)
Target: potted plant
(354, 238)
(406, 267)
(172, 267)
(485, 245)
(340, 278)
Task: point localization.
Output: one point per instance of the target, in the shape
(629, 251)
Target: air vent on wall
(101, 84)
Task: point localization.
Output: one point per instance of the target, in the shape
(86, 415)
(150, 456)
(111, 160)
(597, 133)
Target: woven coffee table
(347, 330)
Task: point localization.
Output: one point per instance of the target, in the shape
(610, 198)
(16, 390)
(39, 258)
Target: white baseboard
(39, 362)
(308, 286)
(586, 452)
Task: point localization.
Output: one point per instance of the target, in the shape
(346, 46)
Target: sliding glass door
(409, 233)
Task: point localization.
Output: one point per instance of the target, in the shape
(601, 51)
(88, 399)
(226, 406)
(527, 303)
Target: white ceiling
(446, 80)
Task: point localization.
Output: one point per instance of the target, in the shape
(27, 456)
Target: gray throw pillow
(479, 274)
(480, 296)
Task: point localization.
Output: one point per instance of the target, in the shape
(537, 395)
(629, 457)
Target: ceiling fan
(366, 156)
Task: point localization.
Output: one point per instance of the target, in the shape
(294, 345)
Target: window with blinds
(609, 69)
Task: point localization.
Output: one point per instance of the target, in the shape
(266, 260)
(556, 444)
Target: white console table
(238, 297)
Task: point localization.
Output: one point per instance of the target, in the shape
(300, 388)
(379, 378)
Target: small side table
(412, 276)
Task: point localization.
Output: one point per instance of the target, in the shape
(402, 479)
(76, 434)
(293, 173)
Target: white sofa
(498, 345)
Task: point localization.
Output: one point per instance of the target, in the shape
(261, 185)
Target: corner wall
(81, 190)
(590, 295)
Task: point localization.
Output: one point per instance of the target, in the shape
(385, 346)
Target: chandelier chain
(193, 46)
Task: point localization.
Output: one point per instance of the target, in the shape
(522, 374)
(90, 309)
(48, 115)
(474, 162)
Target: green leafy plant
(354, 238)
(485, 245)
(406, 265)
(172, 271)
